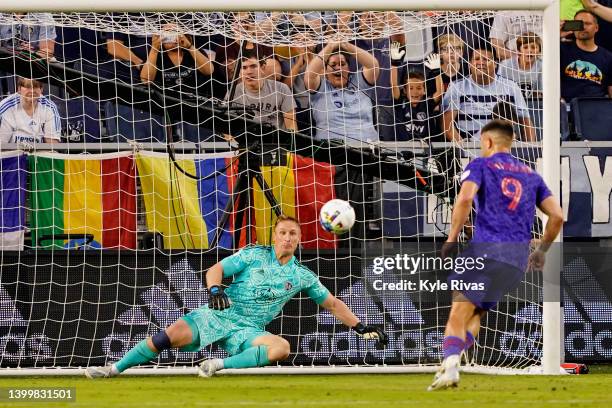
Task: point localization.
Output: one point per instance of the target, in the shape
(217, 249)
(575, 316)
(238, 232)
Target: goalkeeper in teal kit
(264, 280)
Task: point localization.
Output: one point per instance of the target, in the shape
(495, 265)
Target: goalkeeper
(264, 280)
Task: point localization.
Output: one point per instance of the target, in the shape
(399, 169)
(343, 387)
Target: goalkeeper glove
(397, 53)
(432, 62)
(371, 333)
(218, 300)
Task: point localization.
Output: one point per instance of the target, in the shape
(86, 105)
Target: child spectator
(526, 67)
(416, 114)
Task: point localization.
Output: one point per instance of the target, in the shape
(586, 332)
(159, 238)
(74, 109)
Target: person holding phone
(586, 67)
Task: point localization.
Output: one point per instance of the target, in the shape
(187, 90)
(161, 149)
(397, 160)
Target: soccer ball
(337, 216)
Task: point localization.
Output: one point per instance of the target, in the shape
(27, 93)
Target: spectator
(29, 117)
(525, 68)
(508, 26)
(586, 68)
(341, 107)
(180, 63)
(273, 69)
(28, 34)
(270, 102)
(468, 104)
(128, 54)
(295, 81)
(416, 113)
(451, 49)
(373, 24)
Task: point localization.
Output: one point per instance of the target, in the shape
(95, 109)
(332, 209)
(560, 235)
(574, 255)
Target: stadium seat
(127, 124)
(83, 119)
(592, 118)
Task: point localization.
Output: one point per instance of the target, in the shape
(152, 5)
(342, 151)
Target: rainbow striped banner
(83, 194)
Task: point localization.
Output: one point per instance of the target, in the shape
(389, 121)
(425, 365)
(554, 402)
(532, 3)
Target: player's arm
(553, 211)
(461, 209)
(342, 312)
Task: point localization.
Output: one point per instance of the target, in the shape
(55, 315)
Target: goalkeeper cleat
(448, 375)
(208, 368)
(100, 372)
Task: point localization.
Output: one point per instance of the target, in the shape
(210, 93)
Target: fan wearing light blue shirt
(341, 101)
(468, 104)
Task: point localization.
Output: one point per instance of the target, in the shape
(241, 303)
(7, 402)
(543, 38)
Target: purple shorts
(486, 287)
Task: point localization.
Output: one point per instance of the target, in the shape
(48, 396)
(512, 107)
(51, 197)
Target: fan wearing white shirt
(29, 117)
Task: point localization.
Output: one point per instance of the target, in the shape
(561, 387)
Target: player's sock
(469, 340)
(141, 353)
(251, 357)
(452, 346)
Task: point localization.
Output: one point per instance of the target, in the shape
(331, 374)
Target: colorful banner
(84, 194)
(186, 210)
(13, 177)
(300, 188)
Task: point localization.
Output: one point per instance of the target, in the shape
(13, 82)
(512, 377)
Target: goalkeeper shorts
(230, 332)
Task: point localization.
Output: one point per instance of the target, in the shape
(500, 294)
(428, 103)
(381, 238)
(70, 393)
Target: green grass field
(592, 390)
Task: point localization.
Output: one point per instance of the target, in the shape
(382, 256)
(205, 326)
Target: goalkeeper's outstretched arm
(342, 312)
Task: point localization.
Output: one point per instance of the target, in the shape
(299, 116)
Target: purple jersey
(508, 194)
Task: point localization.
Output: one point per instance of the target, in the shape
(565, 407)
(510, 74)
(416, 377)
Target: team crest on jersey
(288, 285)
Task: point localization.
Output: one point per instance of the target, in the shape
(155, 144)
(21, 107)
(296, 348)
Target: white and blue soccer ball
(337, 216)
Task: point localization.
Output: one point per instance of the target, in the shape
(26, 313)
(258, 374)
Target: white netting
(178, 102)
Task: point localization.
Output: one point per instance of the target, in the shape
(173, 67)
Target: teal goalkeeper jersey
(261, 286)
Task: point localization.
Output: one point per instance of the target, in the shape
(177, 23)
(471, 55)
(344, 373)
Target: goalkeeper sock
(452, 346)
(251, 357)
(469, 340)
(140, 354)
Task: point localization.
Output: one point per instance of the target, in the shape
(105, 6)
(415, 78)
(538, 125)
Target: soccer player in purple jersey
(507, 193)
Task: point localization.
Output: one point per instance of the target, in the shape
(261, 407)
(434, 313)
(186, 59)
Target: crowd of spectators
(366, 90)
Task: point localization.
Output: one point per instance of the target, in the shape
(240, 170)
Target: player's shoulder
(254, 249)
(476, 163)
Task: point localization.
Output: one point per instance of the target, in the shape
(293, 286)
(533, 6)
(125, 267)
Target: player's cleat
(448, 375)
(99, 372)
(208, 368)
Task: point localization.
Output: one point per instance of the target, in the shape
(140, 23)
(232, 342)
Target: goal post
(551, 319)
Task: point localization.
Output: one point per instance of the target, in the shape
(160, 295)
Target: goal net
(184, 135)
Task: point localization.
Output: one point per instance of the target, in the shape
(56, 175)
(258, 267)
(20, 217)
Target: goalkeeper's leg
(261, 351)
(179, 334)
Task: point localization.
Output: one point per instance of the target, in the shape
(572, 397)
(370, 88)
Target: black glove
(371, 333)
(218, 300)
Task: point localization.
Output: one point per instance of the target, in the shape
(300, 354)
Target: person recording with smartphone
(586, 67)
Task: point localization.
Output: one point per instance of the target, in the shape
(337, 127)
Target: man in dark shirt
(586, 68)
